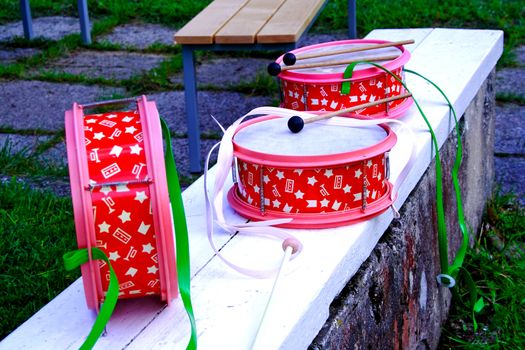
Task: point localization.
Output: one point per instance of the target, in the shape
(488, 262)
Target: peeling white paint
(423, 291)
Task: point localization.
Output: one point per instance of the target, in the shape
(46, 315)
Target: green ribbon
(73, 260)
(181, 234)
(348, 73)
(442, 229)
(453, 269)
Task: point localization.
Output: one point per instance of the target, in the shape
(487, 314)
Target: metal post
(352, 29)
(25, 8)
(84, 21)
(192, 110)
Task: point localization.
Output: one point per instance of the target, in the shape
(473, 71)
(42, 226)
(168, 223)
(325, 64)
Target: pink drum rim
(285, 161)
(313, 220)
(82, 205)
(83, 209)
(161, 209)
(358, 75)
(393, 113)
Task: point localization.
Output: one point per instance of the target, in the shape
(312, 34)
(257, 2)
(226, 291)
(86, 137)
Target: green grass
(157, 79)
(507, 15)
(36, 229)
(510, 98)
(29, 162)
(497, 265)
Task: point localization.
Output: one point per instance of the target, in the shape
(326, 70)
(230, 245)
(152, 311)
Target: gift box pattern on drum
(121, 201)
(327, 97)
(319, 190)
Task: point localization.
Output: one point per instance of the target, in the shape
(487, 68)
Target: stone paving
(117, 65)
(139, 36)
(28, 105)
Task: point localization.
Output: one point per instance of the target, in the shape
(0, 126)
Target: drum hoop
(158, 188)
(313, 220)
(82, 203)
(358, 75)
(393, 113)
(313, 161)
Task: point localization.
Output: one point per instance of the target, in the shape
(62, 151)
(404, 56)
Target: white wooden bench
(228, 305)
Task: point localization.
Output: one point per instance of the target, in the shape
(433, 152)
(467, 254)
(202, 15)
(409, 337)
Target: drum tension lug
(261, 190)
(234, 170)
(365, 188)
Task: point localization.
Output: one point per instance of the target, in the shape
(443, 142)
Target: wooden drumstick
(296, 123)
(290, 246)
(289, 58)
(274, 68)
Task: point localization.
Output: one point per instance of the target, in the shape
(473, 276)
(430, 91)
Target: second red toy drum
(324, 176)
(120, 200)
(319, 88)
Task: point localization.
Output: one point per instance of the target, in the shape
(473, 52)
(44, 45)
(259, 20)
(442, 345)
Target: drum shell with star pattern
(120, 201)
(319, 89)
(324, 176)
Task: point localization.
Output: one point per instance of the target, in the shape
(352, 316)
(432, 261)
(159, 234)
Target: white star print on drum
(148, 248)
(104, 227)
(125, 216)
(131, 130)
(135, 149)
(141, 196)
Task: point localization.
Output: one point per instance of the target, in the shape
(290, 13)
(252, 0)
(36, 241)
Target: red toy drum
(325, 176)
(120, 200)
(319, 88)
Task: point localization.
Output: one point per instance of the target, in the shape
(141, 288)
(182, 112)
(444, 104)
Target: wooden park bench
(227, 25)
(228, 306)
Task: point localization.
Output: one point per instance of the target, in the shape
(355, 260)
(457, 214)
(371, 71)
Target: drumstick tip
(274, 69)
(292, 243)
(289, 59)
(295, 124)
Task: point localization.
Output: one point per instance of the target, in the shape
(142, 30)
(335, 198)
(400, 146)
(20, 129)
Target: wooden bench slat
(202, 28)
(290, 22)
(244, 26)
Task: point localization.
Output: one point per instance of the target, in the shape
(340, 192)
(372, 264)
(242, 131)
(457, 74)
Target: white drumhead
(273, 137)
(387, 51)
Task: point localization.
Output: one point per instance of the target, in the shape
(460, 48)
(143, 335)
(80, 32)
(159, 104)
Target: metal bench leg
(26, 19)
(84, 22)
(192, 110)
(352, 29)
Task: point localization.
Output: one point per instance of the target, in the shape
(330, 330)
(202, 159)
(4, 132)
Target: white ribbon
(214, 207)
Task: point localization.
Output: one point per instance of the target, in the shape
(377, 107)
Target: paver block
(41, 105)
(139, 35)
(25, 144)
(510, 129)
(223, 72)
(53, 28)
(510, 176)
(511, 80)
(11, 55)
(109, 65)
(226, 107)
